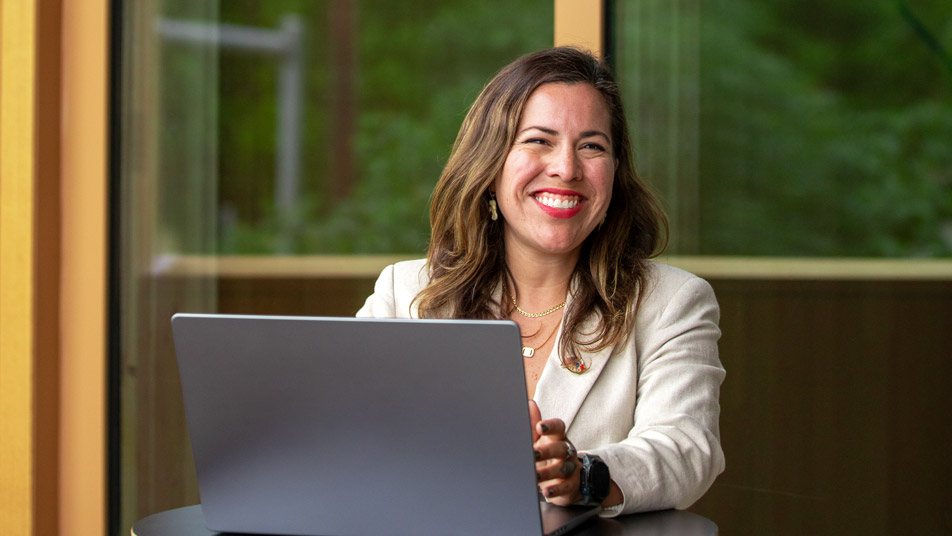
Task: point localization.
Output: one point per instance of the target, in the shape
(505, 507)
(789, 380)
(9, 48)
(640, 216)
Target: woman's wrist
(594, 480)
(615, 496)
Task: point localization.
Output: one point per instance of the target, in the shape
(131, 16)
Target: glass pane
(272, 128)
(333, 144)
(794, 128)
(168, 206)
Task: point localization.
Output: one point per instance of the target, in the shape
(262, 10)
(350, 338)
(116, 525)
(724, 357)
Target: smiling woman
(620, 353)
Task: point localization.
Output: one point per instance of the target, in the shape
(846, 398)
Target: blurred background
(320, 127)
(275, 155)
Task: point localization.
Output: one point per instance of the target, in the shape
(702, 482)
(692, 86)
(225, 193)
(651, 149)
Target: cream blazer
(649, 407)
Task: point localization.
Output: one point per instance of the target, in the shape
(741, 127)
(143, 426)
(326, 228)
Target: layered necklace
(577, 366)
(529, 351)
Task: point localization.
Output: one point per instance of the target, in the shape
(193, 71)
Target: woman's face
(556, 182)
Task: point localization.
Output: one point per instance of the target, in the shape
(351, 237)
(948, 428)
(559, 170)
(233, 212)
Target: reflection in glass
(793, 128)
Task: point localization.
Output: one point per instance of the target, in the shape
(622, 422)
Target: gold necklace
(535, 315)
(529, 351)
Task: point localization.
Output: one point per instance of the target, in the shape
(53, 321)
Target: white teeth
(557, 203)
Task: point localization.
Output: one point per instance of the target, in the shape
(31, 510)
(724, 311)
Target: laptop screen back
(327, 426)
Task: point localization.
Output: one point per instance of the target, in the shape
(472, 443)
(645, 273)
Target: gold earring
(602, 222)
(493, 214)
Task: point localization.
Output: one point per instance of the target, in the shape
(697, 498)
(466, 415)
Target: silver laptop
(346, 426)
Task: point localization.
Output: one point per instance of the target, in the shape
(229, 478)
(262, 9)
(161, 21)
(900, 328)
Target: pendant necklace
(529, 351)
(577, 365)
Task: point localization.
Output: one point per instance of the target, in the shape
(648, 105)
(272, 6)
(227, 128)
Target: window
(793, 128)
(273, 129)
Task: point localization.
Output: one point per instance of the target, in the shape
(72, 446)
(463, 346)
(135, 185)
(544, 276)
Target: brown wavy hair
(466, 259)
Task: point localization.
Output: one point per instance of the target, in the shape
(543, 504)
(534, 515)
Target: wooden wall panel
(83, 269)
(580, 23)
(833, 408)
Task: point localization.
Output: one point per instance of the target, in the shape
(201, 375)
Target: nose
(564, 164)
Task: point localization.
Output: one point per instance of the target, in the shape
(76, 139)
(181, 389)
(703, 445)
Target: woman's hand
(557, 463)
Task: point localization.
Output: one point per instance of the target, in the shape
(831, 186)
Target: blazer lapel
(560, 393)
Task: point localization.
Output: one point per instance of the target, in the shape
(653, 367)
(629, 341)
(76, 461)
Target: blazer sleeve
(395, 291)
(673, 453)
(380, 303)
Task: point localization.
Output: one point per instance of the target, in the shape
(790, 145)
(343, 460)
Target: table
(188, 521)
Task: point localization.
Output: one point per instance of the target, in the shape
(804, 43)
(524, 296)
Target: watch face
(596, 480)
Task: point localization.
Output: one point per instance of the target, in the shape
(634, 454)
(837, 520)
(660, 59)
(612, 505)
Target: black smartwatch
(594, 479)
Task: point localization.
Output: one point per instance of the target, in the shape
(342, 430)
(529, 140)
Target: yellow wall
(53, 139)
(17, 447)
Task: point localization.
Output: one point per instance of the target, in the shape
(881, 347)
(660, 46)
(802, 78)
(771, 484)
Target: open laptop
(345, 426)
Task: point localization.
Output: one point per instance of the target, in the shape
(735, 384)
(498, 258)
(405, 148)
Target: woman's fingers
(557, 463)
(555, 450)
(535, 416)
(556, 469)
(559, 481)
(561, 492)
(550, 427)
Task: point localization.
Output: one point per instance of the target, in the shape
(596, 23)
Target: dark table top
(188, 521)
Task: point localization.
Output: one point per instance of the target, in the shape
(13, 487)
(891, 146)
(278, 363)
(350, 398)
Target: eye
(593, 146)
(538, 141)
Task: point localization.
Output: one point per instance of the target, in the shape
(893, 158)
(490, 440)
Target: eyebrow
(549, 131)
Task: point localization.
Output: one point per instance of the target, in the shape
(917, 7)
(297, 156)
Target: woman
(540, 218)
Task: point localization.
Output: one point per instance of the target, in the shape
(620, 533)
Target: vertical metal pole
(288, 137)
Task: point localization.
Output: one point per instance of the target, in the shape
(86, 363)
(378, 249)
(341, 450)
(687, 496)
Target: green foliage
(825, 130)
(419, 67)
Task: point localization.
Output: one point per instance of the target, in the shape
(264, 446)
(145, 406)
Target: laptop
(344, 426)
